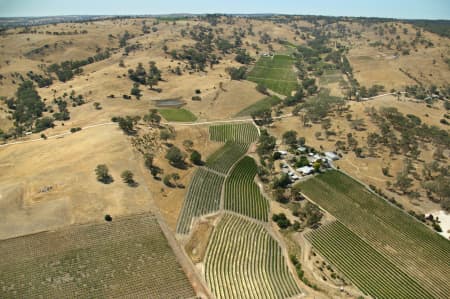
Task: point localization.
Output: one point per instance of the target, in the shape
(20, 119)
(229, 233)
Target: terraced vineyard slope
(242, 195)
(372, 272)
(128, 257)
(276, 73)
(203, 197)
(244, 261)
(239, 133)
(226, 156)
(409, 245)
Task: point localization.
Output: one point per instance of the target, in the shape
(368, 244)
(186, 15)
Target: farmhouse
(331, 156)
(305, 170)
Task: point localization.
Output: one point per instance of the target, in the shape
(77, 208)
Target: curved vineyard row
(372, 272)
(226, 156)
(203, 197)
(244, 261)
(242, 195)
(411, 246)
(128, 257)
(239, 133)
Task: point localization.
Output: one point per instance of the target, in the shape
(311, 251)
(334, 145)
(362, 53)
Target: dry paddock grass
(66, 168)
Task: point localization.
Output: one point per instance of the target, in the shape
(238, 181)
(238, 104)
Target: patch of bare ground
(198, 241)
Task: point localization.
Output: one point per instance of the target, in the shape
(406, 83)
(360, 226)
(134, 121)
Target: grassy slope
(267, 102)
(182, 115)
(408, 244)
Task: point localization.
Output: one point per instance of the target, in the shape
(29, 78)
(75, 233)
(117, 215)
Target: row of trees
(103, 176)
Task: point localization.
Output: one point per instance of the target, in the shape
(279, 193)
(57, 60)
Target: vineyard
(275, 73)
(265, 103)
(244, 261)
(239, 133)
(226, 156)
(409, 245)
(373, 273)
(203, 197)
(242, 195)
(128, 257)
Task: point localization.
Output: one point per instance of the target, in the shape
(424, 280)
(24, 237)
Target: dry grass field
(52, 183)
(48, 187)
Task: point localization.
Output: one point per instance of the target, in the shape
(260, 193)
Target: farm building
(282, 153)
(331, 156)
(305, 170)
(302, 149)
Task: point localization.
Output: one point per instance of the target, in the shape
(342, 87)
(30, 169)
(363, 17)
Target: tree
(262, 89)
(175, 176)
(358, 124)
(290, 138)
(103, 175)
(153, 117)
(136, 91)
(282, 182)
(43, 123)
(127, 125)
(167, 180)
(28, 105)
(317, 166)
(127, 177)
(243, 57)
(166, 135)
(266, 144)
(281, 220)
(188, 144)
(301, 141)
(97, 106)
(148, 160)
(196, 158)
(302, 162)
(237, 73)
(403, 182)
(262, 116)
(154, 75)
(175, 156)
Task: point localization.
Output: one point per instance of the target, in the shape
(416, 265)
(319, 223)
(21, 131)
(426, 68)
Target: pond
(172, 103)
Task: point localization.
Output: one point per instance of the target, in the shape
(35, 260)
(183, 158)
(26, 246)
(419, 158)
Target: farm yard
(371, 271)
(244, 261)
(180, 114)
(239, 133)
(129, 256)
(276, 73)
(409, 245)
(242, 195)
